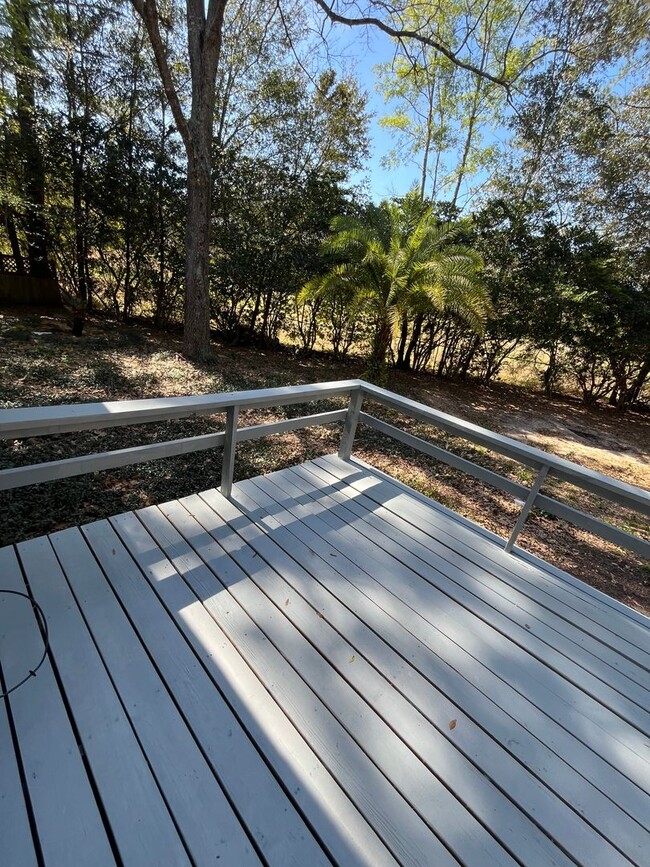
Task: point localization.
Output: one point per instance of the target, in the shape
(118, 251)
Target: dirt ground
(41, 363)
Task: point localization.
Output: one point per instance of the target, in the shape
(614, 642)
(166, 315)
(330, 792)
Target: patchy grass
(113, 362)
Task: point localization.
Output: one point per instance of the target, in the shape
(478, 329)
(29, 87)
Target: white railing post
(528, 505)
(228, 465)
(350, 424)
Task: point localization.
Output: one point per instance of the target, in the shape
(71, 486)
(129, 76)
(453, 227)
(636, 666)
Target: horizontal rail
(34, 474)
(446, 457)
(257, 431)
(590, 480)
(43, 420)
(541, 501)
(593, 525)
(40, 421)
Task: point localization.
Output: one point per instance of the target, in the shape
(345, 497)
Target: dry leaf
(286, 601)
(452, 724)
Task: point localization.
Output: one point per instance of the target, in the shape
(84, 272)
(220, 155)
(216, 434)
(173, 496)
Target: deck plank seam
(406, 555)
(206, 758)
(334, 527)
(38, 851)
(525, 558)
(360, 655)
(542, 782)
(120, 699)
(306, 683)
(233, 710)
(462, 543)
(428, 541)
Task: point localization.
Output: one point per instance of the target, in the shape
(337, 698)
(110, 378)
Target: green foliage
(397, 258)
(268, 227)
(552, 266)
(439, 111)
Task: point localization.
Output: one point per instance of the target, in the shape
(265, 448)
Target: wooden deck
(326, 668)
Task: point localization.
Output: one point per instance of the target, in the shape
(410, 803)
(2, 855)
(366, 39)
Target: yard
(42, 363)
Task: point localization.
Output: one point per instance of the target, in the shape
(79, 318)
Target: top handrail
(38, 421)
(65, 418)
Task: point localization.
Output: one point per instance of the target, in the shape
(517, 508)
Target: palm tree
(398, 259)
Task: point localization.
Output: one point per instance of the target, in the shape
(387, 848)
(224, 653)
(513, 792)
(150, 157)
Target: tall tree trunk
(468, 139)
(427, 144)
(34, 185)
(549, 375)
(473, 115)
(129, 290)
(464, 158)
(639, 380)
(160, 289)
(204, 37)
(196, 335)
(76, 84)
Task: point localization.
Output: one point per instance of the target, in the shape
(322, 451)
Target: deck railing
(40, 421)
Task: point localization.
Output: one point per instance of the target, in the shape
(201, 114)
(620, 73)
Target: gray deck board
(309, 607)
(477, 624)
(330, 812)
(445, 694)
(135, 809)
(541, 624)
(200, 808)
(16, 842)
(323, 668)
(69, 825)
(632, 626)
(561, 606)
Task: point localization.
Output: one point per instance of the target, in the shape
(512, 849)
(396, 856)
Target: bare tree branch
(418, 36)
(148, 11)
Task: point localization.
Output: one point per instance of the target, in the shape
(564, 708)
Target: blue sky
(358, 51)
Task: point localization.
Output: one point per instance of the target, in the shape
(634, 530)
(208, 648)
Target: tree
(270, 224)
(424, 93)
(276, 190)
(441, 109)
(397, 258)
(21, 15)
(204, 39)
(581, 119)
(205, 27)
